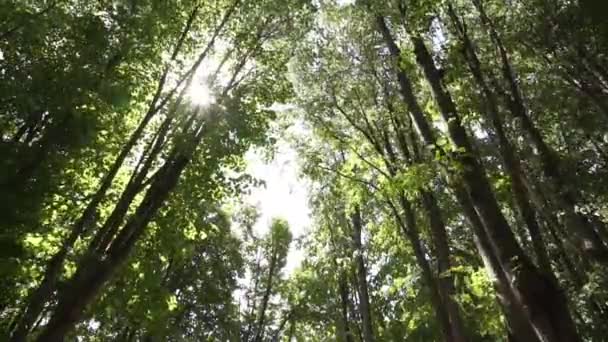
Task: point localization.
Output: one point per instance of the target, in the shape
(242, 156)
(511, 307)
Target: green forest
(452, 154)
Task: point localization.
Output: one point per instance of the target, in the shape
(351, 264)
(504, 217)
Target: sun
(200, 94)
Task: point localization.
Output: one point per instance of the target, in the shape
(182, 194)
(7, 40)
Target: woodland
(454, 153)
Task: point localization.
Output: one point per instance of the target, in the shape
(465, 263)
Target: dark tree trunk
(261, 323)
(343, 288)
(507, 151)
(540, 294)
(106, 234)
(252, 302)
(364, 303)
(410, 231)
(42, 293)
(95, 270)
(544, 301)
(589, 241)
(519, 326)
(444, 280)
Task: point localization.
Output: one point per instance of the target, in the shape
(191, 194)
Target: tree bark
(259, 334)
(519, 325)
(364, 302)
(445, 281)
(542, 297)
(343, 288)
(410, 232)
(507, 151)
(43, 292)
(252, 302)
(96, 270)
(544, 302)
(589, 242)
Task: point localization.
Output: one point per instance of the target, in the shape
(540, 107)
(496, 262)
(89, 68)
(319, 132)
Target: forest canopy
(454, 154)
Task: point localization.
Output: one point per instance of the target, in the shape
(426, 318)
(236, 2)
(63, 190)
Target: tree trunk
(106, 234)
(507, 152)
(518, 323)
(444, 281)
(343, 288)
(364, 303)
(96, 270)
(252, 302)
(544, 302)
(589, 241)
(42, 293)
(540, 295)
(426, 135)
(259, 335)
(410, 231)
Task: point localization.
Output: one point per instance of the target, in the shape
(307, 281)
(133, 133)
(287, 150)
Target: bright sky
(285, 195)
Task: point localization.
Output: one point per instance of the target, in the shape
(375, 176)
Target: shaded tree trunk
(545, 303)
(589, 241)
(48, 285)
(445, 281)
(343, 288)
(260, 325)
(364, 303)
(410, 232)
(507, 151)
(97, 268)
(542, 297)
(519, 326)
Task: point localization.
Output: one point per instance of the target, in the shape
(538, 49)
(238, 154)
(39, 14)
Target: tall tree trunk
(542, 297)
(364, 302)
(507, 151)
(544, 302)
(343, 288)
(45, 289)
(106, 234)
(252, 302)
(410, 232)
(589, 241)
(444, 280)
(48, 285)
(96, 270)
(259, 335)
(284, 320)
(519, 325)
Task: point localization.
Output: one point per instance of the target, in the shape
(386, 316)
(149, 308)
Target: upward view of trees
(455, 154)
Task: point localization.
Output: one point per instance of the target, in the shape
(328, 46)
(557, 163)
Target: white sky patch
(199, 92)
(345, 2)
(285, 195)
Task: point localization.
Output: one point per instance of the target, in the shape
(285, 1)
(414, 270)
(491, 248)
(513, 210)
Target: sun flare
(200, 94)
